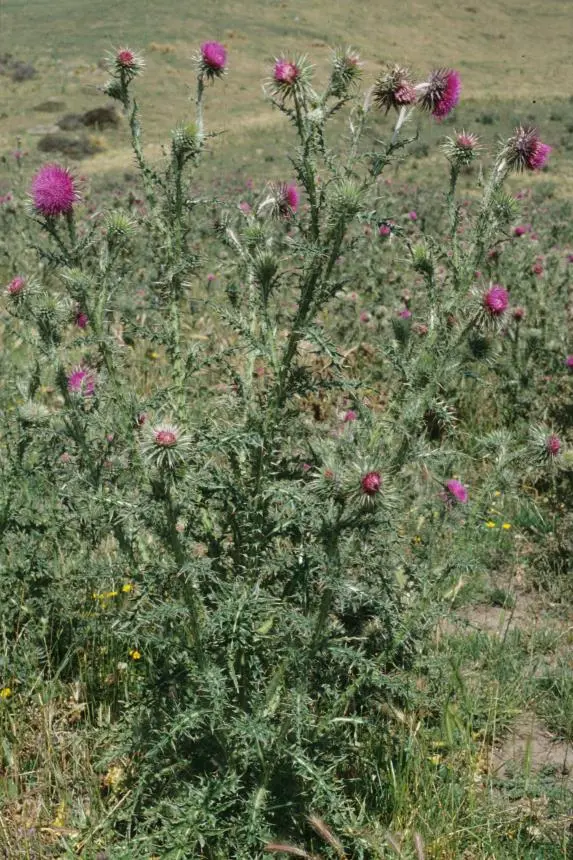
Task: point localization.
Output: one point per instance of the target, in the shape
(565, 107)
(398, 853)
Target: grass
(508, 74)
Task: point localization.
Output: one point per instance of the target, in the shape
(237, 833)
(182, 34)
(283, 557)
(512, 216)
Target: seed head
(394, 89)
(525, 151)
(53, 191)
(441, 93)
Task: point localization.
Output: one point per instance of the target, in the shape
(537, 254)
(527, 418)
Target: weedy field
(285, 453)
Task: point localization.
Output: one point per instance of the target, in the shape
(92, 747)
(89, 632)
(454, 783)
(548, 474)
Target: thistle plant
(249, 503)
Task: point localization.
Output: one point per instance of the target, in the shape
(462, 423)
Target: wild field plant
(235, 559)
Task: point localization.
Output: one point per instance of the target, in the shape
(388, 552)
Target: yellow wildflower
(135, 654)
(127, 587)
(506, 526)
(436, 759)
(497, 493)
(5, 693)
(490, 524)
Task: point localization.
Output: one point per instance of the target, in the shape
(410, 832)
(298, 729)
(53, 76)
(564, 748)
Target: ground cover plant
(255, 449)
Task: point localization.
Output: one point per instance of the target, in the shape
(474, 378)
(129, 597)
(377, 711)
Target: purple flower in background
(456, 491)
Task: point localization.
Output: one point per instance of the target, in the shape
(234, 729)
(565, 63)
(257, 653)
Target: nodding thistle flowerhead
(371, 483)
(525, 151)
(553, 445)
(213, 59)
(461, 149)
(495, 300)
(441, 93)
(455, 492)
(165, 446)
(394, 89)
(53, 191)
(16, 286)
(81, 381)
(283, 200)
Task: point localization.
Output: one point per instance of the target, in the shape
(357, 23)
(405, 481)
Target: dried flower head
(525, 151)
(441, 93)
(53, 191)
(213, 59)
(394, 89)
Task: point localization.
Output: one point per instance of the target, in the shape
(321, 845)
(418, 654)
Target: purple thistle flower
(553, 445)
(456, 491)
(569, 362)
(441, 93)
(213, 58)
(405, 314)
(16, 286)
(81, 319)
(525, 151)
(384, 230)
(128, 63)
(394, 89)
(413, 215)
(81, 381)
(53, 191)
(371, 483)
(350, 416)
(166, 437)
(286, 74)
(495, 300)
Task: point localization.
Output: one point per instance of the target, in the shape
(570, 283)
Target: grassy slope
(496, 46)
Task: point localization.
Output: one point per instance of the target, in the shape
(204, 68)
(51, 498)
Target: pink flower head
(405, 314)
(521, 229)
(210, 278)
(495, 300)
(570, 258)
(537, 268)
(81, 319)
(284, 200)
(364, 317)
(384, 230)
(413, 215)
(213, 58)
(127, 63)
(525, 151)
(441, 93)
(350, 416)
(53, 191)
(245, 207)
(456, 491)
(165, 437)
(394, 89)
(569, 362)
(553, 445)
(286, 74)
(81, 381)
(518, 314)
(16, 286)
(371, 483)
